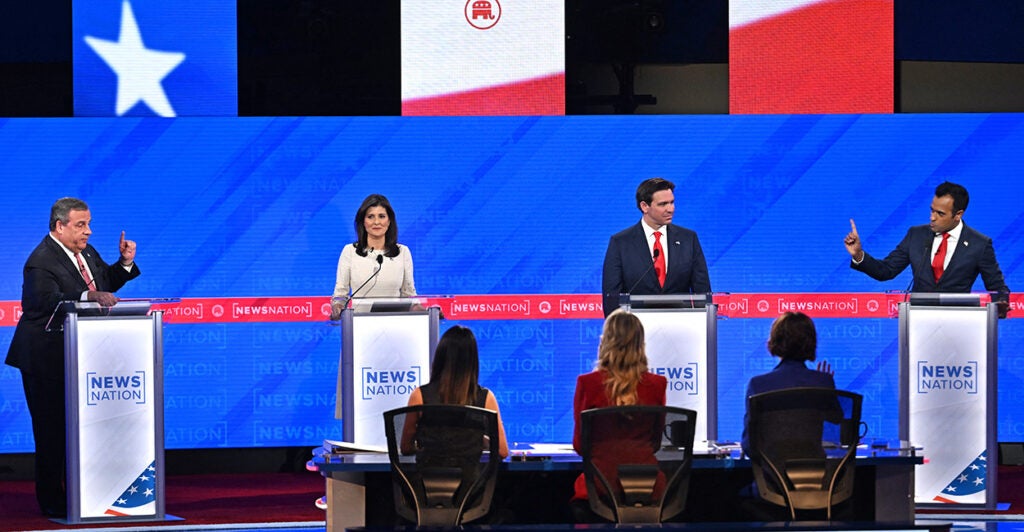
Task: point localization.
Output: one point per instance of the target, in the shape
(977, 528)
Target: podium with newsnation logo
(113, 359)
(681, 333)
(947, 347)
(386, 348)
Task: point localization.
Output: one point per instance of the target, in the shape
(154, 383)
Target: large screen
(483, 57)
(155, 58)
(244, 219)
(811, 56)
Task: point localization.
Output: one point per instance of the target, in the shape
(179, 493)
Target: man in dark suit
(944, 256)
(62, 267)
(654, 256)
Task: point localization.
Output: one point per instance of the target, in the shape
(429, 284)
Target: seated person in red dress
(621, 378)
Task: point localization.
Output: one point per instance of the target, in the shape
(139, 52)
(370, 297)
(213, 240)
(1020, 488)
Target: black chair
(637, 461)
(444, 462)
(803, 443)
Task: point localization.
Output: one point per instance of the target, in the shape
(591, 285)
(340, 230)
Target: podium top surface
(124, 307)
(377, 305)
(940, 299)
(666, 301)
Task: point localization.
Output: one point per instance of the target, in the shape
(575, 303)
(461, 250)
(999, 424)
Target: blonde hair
(622, 355)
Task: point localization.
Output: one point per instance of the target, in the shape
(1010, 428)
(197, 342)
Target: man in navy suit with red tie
(945, 255)
(654, 256)
(64, 266)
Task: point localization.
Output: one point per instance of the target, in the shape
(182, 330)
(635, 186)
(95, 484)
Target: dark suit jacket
(627, 262)
(974, 256)
(49, 278)
(787, 374)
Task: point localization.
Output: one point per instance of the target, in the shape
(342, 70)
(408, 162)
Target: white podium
(387, 346)
(114, 394)
(681, 333)
(948, 363)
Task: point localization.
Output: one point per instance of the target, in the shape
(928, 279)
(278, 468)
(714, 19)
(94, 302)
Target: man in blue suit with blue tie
(945, 256)
(654, 256)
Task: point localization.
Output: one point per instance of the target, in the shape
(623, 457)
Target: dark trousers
(45, 398)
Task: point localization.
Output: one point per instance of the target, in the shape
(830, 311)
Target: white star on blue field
(139, 70)
(162, 59)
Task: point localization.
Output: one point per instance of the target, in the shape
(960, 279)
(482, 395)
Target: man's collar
(648, 230)
(955, 232)
(62, 246)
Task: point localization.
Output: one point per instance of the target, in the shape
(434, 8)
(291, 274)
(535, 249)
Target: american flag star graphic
(968, 482)
(139, 498)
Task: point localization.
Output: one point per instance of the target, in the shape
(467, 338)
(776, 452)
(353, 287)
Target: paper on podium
(550, 449)
(338, 447)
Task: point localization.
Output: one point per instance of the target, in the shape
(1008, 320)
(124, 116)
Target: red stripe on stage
(538, 96)
(831, 57)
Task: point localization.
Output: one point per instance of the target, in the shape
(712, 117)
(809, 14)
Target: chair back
(803, 443)
(637, 461)
(444, 462)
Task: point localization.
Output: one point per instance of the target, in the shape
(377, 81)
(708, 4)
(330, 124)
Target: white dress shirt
(394, 280)
(954, 237)
(649, 231)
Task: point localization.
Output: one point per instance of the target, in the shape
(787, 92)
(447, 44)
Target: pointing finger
(853, 227)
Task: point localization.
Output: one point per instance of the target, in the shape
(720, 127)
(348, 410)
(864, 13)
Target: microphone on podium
(380, 264)
(654, 257)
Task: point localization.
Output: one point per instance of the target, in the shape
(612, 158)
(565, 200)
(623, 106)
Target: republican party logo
(162, 59)
(482, 14)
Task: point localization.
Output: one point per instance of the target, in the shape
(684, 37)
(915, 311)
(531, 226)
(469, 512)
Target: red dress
(590, 393)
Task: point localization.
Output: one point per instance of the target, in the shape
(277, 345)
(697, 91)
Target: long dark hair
(390, 237)
(456, 366)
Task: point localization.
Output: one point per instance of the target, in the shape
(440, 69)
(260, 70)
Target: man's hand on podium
(105, 299)
(1002, 307)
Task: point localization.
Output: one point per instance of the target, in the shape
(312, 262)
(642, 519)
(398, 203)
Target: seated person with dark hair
(794, 340)
(453, 381)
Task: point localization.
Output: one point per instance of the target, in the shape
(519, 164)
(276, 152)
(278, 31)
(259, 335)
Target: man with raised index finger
(945, 255)
(64, 266)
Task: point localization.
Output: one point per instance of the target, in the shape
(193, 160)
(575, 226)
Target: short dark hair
(958, 192)
(456, 366)
(61, 210)
(645, 192)
(793, 337)
(390, 237)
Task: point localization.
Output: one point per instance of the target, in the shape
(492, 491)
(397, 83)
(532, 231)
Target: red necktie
(85, 273)
(939, 262)
(659, 259)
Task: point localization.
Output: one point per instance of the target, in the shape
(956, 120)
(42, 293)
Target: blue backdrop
(263, 206)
